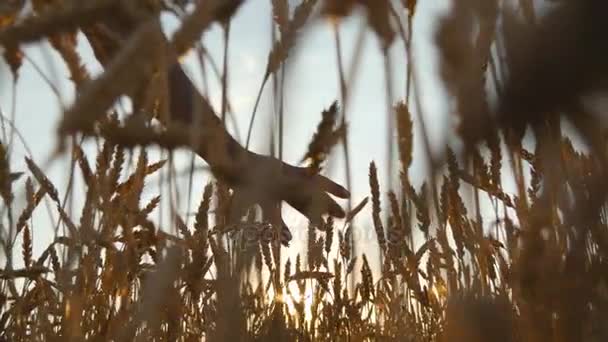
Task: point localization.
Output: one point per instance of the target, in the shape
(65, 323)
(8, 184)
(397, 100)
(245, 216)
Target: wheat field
(439, 269)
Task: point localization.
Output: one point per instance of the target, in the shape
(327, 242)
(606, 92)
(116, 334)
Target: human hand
(267, 181)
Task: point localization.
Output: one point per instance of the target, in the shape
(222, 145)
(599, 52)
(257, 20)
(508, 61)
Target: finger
(333, 208)
(315, 206)
(272, 213)
(308, 206)
(285, 234)
(241, 201)
(333, 188)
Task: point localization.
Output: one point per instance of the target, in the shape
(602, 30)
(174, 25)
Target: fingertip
(285, 234)
(333, 188)
(336, 210)
(342, 192)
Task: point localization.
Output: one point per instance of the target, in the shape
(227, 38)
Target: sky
(311, 85)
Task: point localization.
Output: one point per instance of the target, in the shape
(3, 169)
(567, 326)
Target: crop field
(504, 239)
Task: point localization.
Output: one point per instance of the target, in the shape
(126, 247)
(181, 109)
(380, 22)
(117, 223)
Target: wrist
(230, 163)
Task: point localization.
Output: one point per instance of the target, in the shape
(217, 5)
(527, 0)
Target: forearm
(187, 109)
(216, 146)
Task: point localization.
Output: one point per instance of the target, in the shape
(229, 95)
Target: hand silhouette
(267, 181)
(192, 123)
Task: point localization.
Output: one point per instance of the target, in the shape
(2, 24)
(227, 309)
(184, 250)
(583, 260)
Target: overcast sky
(312, 85)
